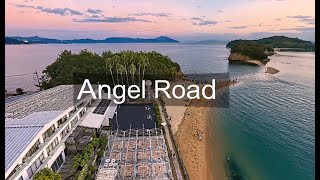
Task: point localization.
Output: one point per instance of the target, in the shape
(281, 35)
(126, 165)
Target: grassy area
(158, 116)
(83, 162)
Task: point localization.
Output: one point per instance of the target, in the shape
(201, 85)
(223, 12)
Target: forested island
(257, 51)
(278, 42)
(125, 67)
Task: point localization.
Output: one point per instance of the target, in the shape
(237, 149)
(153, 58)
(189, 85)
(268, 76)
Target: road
(175, 161)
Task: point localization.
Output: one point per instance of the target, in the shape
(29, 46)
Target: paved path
(171, 146)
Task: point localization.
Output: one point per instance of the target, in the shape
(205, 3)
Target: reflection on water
(269, 128)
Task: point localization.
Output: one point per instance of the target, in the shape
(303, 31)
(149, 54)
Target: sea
(268, 130)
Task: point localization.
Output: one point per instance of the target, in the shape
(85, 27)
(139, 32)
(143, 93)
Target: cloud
(151, 14)
(278, 19)
(200, 21)
(220, 11)
(300, 17)
(58, 11)
(308, 21)
(304, 19)
(238, 27)
(112, 20)
(95, 16)
(92, 11)
(196, 18)
(299, 28)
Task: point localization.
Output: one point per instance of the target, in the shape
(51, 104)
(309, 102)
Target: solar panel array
(102, 106)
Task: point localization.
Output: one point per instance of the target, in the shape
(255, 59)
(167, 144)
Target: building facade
(36, 128)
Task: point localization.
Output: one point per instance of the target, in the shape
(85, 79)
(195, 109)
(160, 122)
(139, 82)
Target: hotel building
(37, 127)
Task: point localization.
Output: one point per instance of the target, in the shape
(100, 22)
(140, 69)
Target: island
(42, 40)
(256, 52)
(14, 41)
(250, 53)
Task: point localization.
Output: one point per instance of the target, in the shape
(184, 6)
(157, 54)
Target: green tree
(132, 71)
(19, 91)
(70, 68)
(109, 66)
(47, 174)
(145, 63)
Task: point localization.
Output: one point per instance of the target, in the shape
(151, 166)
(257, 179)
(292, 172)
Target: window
(57, 163)
(72, 112)
(32, 150)
(34, 166)
(52, 145)
(62, 120)
(74, 121)
(48, 132)
(64, 132)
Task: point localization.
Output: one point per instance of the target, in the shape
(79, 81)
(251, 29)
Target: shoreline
(271, 70)
(190, 121)
(193, 141)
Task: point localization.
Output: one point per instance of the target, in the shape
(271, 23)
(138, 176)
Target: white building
(37, 126)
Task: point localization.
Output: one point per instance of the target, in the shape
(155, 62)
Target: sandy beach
(193, 141)
(190, 124)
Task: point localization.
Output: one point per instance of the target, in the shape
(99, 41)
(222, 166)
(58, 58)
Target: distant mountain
(36, 40)
(13, 41)
(276, 42)
(41, 40)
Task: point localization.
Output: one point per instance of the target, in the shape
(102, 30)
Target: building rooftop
(105, 108)
(57, 98)
(16, 140)
(25, 118)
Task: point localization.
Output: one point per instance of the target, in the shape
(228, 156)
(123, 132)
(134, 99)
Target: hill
(13, 41)
(41, 40)
(277, 42)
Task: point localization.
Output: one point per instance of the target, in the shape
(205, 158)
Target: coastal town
(53, 129)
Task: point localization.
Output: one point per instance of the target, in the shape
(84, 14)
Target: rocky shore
(271, 70)
(237, 57)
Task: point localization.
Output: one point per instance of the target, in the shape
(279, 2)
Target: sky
(184, 20)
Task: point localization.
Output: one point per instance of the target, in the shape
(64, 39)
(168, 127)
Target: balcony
(46, 142)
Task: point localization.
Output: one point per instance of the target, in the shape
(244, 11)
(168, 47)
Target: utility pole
(38, 80)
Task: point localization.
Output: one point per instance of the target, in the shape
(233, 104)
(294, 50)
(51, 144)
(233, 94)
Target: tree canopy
(125, 67)
(253, 50)
(47, 174)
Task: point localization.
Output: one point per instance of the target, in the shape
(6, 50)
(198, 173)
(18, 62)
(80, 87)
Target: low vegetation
(47, 174)
(158, 116)
(82, 165)
(81, 159)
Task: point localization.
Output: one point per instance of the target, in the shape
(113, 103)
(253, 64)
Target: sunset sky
(184, 20)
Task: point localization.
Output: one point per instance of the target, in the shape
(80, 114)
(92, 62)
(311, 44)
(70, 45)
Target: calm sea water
(268, 130)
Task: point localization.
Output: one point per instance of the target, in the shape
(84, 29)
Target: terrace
(136, 154)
